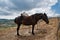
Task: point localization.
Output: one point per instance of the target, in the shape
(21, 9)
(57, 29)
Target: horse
(30, 20)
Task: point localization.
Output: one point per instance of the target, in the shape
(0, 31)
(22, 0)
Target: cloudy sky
(9, 9)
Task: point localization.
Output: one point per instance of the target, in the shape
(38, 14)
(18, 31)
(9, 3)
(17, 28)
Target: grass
(9, 31)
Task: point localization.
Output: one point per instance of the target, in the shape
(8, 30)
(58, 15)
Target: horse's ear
(45, 14)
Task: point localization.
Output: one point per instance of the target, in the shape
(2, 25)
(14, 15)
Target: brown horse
(30, 20)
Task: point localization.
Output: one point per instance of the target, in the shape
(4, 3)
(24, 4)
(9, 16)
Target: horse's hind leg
(33, 29)
(18, 29)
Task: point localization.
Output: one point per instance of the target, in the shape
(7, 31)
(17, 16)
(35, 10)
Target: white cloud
(14, 14)
(4, 10)
(45, 6)
(35, 5)
(7, 2)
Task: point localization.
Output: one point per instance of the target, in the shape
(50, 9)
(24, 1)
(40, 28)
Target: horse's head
(45, 18)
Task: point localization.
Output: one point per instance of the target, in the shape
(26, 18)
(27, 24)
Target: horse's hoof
(33, 34)
(18, 35)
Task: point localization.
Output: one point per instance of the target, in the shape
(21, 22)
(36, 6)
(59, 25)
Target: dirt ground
(41, 31)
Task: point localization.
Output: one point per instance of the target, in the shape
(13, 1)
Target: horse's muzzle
(47, 22)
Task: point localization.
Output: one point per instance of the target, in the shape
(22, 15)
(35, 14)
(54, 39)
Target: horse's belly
(27, 22)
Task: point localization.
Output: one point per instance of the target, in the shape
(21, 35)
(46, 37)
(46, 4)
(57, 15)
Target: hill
(42, 31)
(5, 23)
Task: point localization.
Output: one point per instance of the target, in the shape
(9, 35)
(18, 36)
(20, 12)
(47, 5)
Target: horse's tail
(18, 19)
(15, 20)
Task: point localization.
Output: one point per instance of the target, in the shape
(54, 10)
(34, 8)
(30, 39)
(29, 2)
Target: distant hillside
(6, 23)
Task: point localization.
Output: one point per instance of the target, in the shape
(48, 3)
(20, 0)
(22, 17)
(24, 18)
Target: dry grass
(41, 32)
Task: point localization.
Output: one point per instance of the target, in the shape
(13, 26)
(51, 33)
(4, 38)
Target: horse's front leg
(33, 29)
(18, 29)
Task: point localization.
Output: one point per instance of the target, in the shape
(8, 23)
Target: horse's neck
(36, 18)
